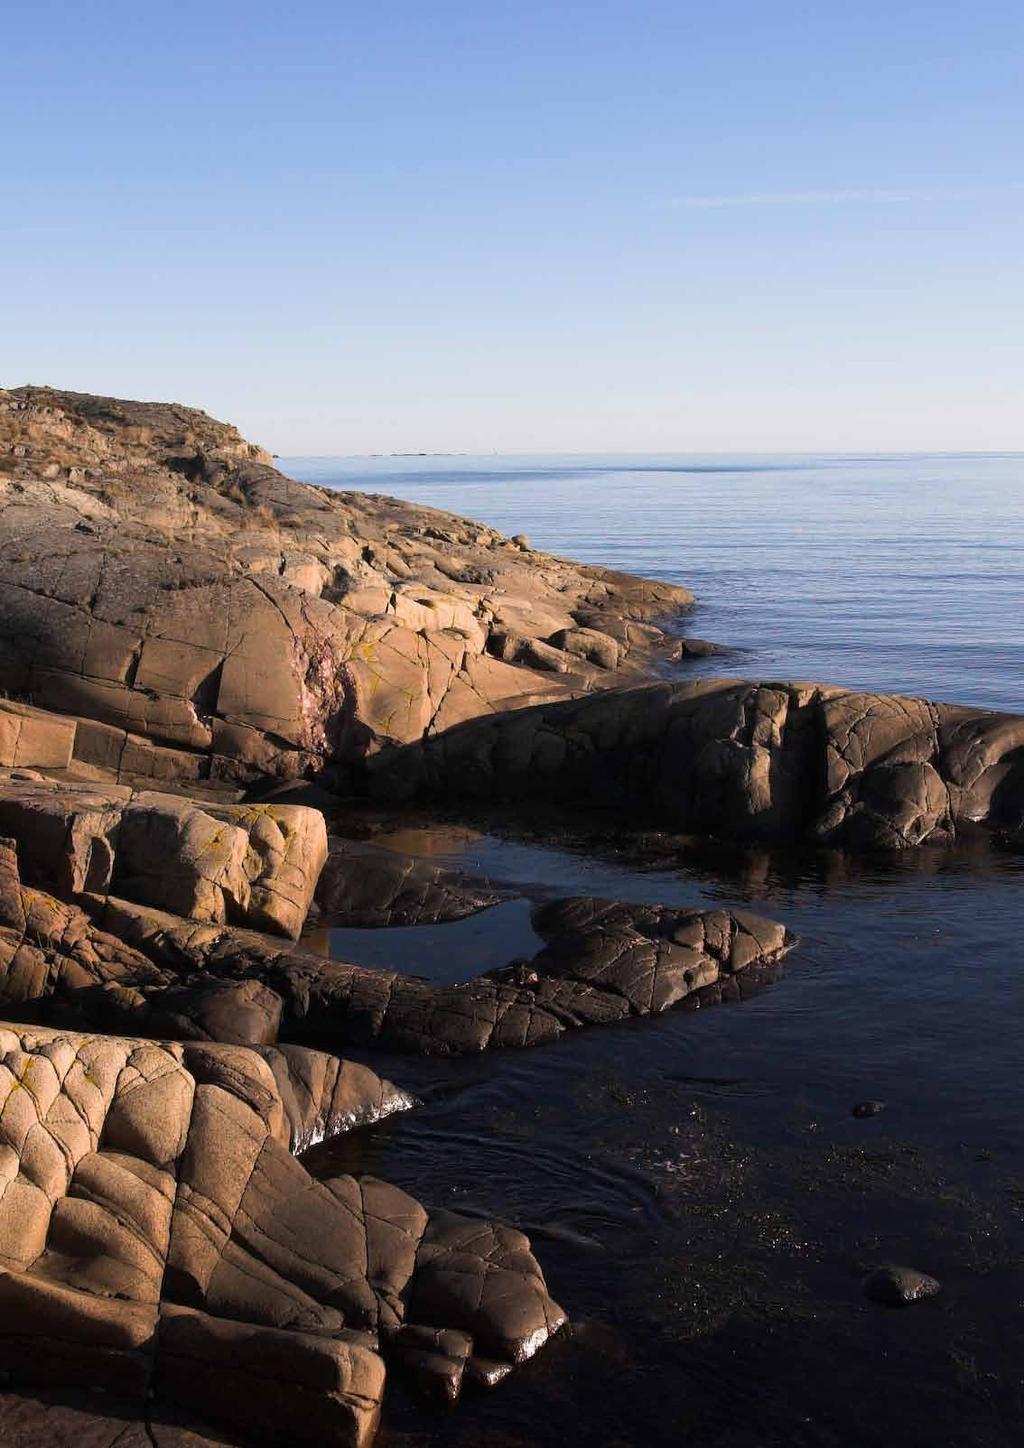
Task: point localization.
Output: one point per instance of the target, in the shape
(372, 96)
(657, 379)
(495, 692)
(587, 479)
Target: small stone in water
(868, 1108)
(899, 1286)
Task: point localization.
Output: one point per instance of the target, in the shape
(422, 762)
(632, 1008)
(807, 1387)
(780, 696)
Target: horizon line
(849, 452)
(842, 196)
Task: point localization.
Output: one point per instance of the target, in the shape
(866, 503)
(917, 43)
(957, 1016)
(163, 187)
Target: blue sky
(529, 226)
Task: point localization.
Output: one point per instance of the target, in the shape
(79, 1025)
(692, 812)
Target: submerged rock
(864, 1109)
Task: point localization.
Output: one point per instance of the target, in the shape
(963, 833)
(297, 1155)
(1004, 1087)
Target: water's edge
(702, 1197)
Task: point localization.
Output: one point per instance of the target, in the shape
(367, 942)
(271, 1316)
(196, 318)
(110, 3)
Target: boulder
(588, 643)
(899, 1286)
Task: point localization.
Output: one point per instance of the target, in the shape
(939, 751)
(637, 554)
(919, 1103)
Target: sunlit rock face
(208, 618)
(254, 864)
(157, 1236)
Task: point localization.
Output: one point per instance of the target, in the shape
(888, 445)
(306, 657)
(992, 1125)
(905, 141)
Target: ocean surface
(698, 1189)
(903, 573)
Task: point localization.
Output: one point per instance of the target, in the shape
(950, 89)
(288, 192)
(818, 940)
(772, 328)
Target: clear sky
(543, 225)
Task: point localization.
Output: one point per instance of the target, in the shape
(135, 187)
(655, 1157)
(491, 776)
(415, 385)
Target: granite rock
(254, 864)
(207, 618)
(158, 1237)
(739, 760)
(142, 971)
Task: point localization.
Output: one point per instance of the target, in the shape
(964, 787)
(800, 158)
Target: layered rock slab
(151, 973)
(257, 865)
(156, 1234)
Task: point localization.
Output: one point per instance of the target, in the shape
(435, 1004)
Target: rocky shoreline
(185, 636)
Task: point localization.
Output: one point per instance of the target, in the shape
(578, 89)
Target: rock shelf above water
(115, 964)
(740, 760)
(158, 1237)
(184, 630)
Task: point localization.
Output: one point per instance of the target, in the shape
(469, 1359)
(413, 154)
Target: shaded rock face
(742, 760)
(157, 1235)
(366, 887)
(210, 619)
(148, 973)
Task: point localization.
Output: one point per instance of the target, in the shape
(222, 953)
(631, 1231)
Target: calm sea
(700, 1194)
(902, 573)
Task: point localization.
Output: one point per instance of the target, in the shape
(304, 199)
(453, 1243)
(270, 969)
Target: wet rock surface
(865, 1109)
(899, 1286)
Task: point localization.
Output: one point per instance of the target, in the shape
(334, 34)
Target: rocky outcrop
(208, 619)
(143, 972)
(173, 609)
(184, 629)
(157, 1236)
(158, 1239)
(257, 865)
(741, 760)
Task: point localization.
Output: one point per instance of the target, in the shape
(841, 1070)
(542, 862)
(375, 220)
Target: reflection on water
(697, 1186)
(444, 954)
(699, 1191)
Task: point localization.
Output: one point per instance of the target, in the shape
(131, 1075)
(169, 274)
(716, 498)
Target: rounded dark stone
(899, 1286)
(868, 1108)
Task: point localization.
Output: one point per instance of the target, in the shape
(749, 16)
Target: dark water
(702, 1198)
